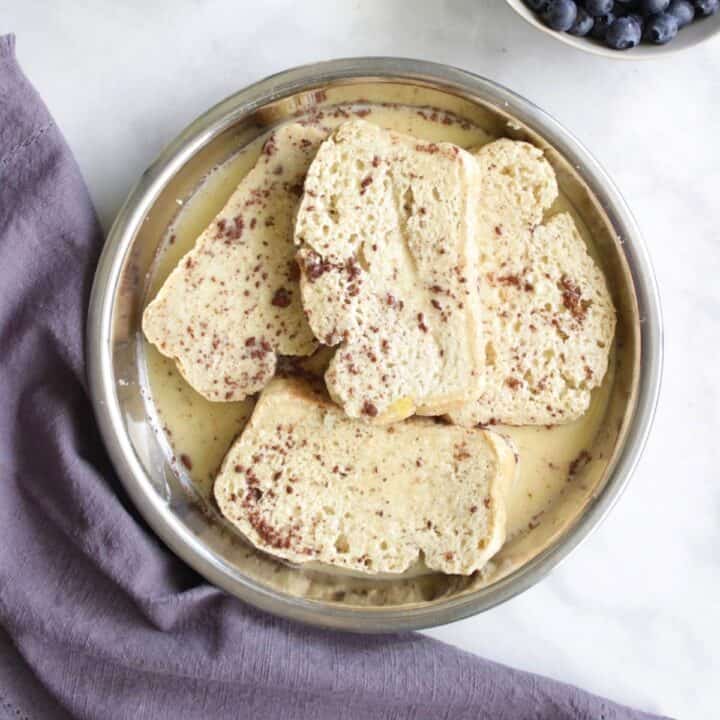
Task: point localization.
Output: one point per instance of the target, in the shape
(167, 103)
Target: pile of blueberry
(622, 24)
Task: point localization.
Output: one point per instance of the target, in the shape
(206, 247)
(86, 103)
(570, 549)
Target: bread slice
(305, 482)
(547, 316)
(385, 230)
(233, 301)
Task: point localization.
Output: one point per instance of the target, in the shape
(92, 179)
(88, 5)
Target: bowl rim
(641, 52)
(102, 385)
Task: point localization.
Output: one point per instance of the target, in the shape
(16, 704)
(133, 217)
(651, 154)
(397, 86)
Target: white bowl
(689, 36)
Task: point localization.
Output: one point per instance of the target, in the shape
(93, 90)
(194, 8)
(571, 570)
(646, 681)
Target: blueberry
(630, 10)
(601, 25)
(683, 11)
(652, 7)
(583, 23)
(559, 14)
(599, 7)
(536, 5)
(623, 34)
(706, 7)
(661, 28)
(623, 7)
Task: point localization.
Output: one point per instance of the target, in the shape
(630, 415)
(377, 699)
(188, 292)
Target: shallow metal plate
(164, 494)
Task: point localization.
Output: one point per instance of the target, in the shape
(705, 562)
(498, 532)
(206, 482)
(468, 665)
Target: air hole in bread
(341, 544)
(408, 201)
(561, 333)
(490, 354)
(332, 208)
(363, 262)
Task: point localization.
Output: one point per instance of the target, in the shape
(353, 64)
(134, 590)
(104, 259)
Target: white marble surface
(635, 613)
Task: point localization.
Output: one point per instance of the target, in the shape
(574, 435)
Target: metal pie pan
(165, 497)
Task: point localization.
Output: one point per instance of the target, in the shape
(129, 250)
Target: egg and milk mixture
(199, 432)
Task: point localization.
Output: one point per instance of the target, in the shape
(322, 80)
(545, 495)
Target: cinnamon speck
(369, 409)
(366, 182)
(572, 298)
(314, 266)
(582, 459)
(281, 298)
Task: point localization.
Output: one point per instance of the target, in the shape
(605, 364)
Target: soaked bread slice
(233, 302)
(547, 316)
(305, 482)
(386, 248)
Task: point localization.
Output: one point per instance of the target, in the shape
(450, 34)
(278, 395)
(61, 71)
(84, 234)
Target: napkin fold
(97, 618)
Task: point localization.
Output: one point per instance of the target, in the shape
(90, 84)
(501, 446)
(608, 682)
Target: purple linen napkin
(97, 618)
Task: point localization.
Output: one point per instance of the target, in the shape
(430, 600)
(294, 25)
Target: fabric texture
(97, 618)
